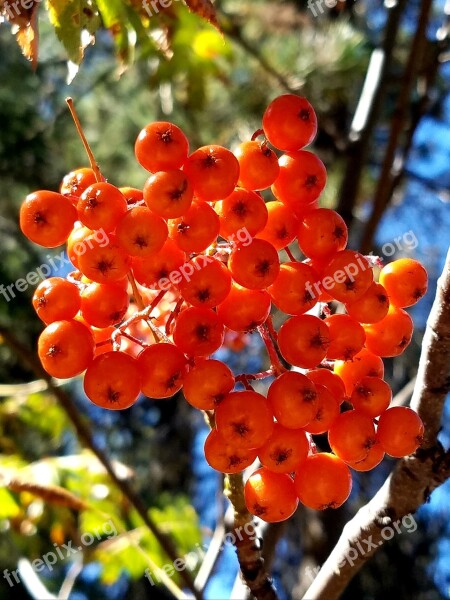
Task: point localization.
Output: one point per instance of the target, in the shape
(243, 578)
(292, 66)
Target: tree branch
(85, 437)
(414, 477)
(399, 119)
(367, 113)
(247, 547)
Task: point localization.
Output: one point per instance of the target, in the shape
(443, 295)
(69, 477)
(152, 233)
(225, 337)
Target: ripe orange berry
(241, 209)
(75, 182)
(141, 232)
(293, 398)
(330, 380)
(213, 171)
(75, 242)
(285, 450)
(103, 262)
(168, 193)
(209, 283)
(373, 458)
(364, 363)
(400, 431)
(161, 146)
(47, 218)
(162, 367)
(244, 309)
(327, 410)
(351, 435)
(66, 348)
(323, 481)
(347, 276)
(160, 269)
(198, 331)
(197, 229)
(225, 457)
(322, 232)
(290, 122)
(56, 299)
(405, 280)
(301, 180)
(244, 419)
(207, 384)
(347, 337)
(258, 165)
(270, 496)
(132, 195)
(371, 307)
(303, 341)
(104, 304)
(289, 291)
(371, 396)
(112, 381)
(101, 206)
(255, 266)
(281, 227)
(391, 335)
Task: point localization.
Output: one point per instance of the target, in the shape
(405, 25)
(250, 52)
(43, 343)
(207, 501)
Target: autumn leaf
(25, 27)
(204, 9)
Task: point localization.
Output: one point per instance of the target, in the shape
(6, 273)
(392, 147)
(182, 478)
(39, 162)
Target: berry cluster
(163, 274)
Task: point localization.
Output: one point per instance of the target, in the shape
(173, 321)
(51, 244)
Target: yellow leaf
(25, 27)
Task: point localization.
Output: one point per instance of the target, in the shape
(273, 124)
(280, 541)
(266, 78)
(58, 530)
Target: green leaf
(8, 506)
(113, 12)
(67, 18)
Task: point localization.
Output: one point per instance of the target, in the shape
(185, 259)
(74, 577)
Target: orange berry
(285, 449)
(290, 122)
(104, 304)
(364, 363)
(56, 299)
(141, 232)
(327, 410)
(400, 431)
(258, 165)
(371, 396)
(351, 435)
(347, 337)
(289, 291)
(373, 458)
(405, 280)
(160, 269)
(47, 218)
(161, 146)
(281, 227)
(101, 206)
(209, 284)
(244, 309)
(213, 171)
(391, 335)
(197, 229)
(371, 307)
(254, 266)
(347, 276)
(168, 193)
(103, 262)
(270, 496)
(303, 341)
(323, 481)
(112, 381)
(198, 331)
(322, 233)
(244, 419)
(242, 209)
(330, 380)
(293, 398)
(162, 367)
(66, 348)
(207, 384)
(225, 457)
(301, 180)
(75, 182)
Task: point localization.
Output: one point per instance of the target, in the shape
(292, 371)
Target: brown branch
(414, 477)
(399, 121)
(84, 435)
(248, 548)
(367, 113)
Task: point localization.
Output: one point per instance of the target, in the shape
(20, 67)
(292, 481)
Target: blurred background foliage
(174, 65)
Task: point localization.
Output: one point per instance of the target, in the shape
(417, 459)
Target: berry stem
(173, 315)
(275, 362)
(290, 255)
(257, 133)
(136, 294)
(93, 162)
